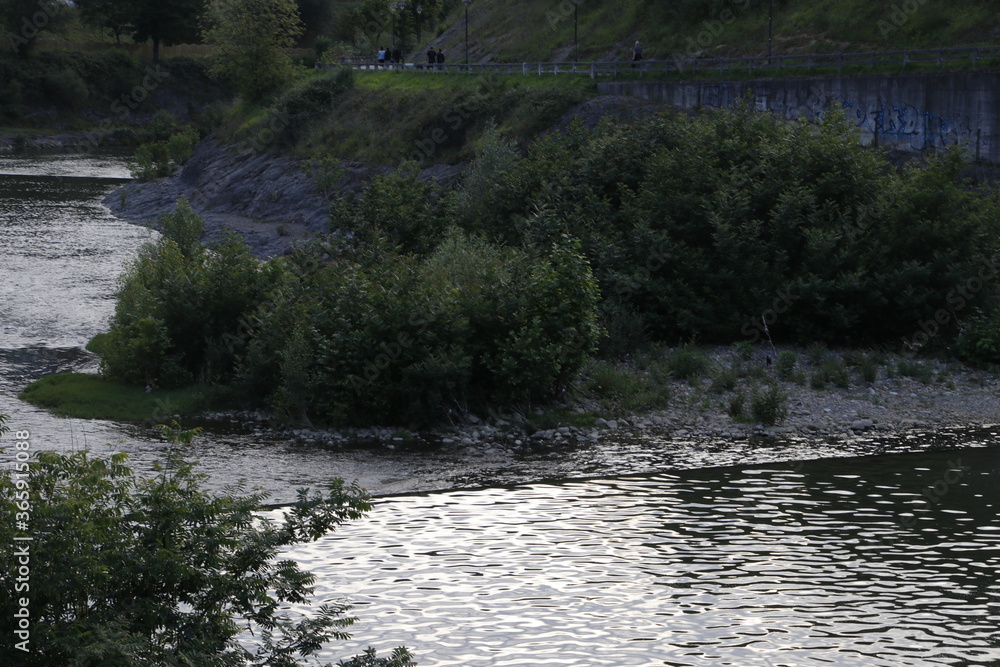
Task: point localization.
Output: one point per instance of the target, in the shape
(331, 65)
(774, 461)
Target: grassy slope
(389, 117)
(515, 31)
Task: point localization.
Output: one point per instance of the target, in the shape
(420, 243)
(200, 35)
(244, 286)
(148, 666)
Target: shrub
(161, 126)
(915, 369)
(131, 569)
(66, 89)
(400, 209)
(979, 339)
(868, 368)
(184, 227)
(724, 380)
(623, 390)
(687, 364)
(785, 364)
(469, 325)
(769, 406)
(299, 106)
(180, 309)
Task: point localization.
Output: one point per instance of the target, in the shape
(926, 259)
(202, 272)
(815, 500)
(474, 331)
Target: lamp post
(420, 11)
(392, 10)
(576, 42)
(396, 7)
(467, 3)
(770, 7)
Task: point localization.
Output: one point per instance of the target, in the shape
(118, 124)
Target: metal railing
(975, 56)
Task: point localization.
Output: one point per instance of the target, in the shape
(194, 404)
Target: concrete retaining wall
(912, 113)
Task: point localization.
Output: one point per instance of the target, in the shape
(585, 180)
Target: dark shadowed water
(720, 553)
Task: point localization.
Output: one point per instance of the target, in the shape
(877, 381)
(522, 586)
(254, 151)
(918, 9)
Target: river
(634, 552)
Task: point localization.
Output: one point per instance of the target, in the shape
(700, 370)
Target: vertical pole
(576, 41)
(467, 32)
(770, 12)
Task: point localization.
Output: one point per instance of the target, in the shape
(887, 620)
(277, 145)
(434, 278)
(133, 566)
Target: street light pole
(576, 41)
(770, 12)
(467, 3)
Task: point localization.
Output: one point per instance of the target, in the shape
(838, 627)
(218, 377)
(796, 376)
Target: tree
(251, 36)
(115, 16)
(127, 570)
(167, 22)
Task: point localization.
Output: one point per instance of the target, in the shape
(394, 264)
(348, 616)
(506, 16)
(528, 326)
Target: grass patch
(685, 363)
(917, 370)
(620, 390)
(86, 396)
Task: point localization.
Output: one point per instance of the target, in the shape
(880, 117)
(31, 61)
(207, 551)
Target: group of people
(395, 56)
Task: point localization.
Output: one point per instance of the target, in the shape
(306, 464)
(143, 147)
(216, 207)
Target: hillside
(515, 31)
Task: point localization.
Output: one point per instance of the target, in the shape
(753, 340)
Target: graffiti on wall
(905, 126)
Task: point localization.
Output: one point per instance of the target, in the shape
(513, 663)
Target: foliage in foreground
(127, 570)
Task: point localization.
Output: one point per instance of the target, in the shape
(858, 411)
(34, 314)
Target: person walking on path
(397, 55)
(381, 55)
(440, 58)
(637, 52)
(431, 56)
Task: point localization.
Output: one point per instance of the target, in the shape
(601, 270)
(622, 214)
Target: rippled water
(888, 560)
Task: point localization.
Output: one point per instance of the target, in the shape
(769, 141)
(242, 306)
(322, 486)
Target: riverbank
(906, 398)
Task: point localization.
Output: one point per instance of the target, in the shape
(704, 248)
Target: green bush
(410, 339)
(724, 380)
(868, 368)
(133, 569)
(184, 227)
(785, 364)
(156, 159)
(161, 126)
(685, 363)
(66, 89)
(181, 308)
(769, 406)
(704, 226)
(297, 107)
(623, 390)
(917, 370)
(979, 339)
(399, 210)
